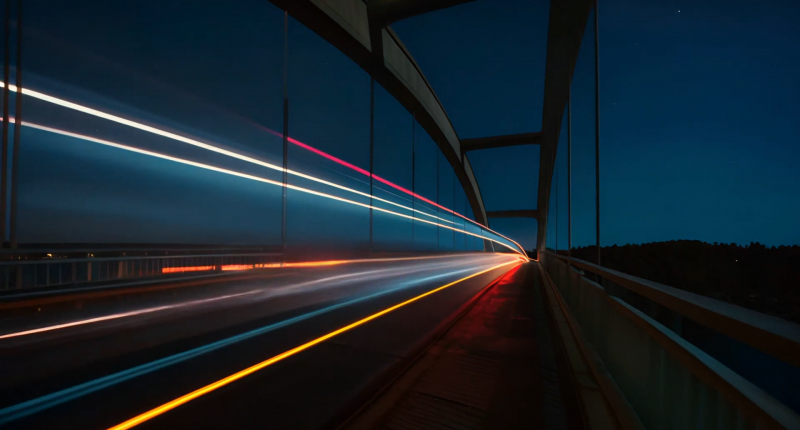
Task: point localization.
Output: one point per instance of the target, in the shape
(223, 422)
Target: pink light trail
(366, 173)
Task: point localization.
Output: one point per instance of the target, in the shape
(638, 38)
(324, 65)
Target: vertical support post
(17, 131)
(371, 158)
(438, 212)
(464, 221)
(556, 223)
(413, 174)
(454, 208)
(6, 96)
(285, 126)
(597, 124)
(569, 173)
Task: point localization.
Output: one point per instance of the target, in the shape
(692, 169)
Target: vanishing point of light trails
(193, 142)
(255, 178)
(133, 422)
(297, 264)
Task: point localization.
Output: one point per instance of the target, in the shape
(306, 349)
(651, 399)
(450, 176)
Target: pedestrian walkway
(501, 366)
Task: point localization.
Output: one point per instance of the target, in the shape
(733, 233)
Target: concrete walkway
(501, 366)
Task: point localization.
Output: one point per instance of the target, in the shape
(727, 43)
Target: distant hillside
(753, 276)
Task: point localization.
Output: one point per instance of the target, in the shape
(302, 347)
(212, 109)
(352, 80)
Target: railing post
(17, 132)
(6, 96)
(597, 125)
(285, 126)
(413, 173)
(569, 174)
(371, 159)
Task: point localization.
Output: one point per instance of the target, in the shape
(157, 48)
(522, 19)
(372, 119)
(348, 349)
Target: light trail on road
(255, 368)
(379, 282)
(122, 315)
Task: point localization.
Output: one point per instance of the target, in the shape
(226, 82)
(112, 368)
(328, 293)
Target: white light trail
(122, 315)
(197, 143)
(251, 177)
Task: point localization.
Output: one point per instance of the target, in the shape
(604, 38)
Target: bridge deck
(501, 366)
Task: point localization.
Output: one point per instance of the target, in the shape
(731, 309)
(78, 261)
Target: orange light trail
(229, 267)
(256, 178)
(301, 264)
(186, 269)
(252, 369)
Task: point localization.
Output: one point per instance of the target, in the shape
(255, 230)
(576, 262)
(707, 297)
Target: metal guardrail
(772, 335)
(41, 269)
(670, 382)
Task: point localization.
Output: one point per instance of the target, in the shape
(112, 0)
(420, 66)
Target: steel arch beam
(349, 26)
(564, 35)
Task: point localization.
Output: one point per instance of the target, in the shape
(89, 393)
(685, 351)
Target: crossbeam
(522, 213)
(501, 141)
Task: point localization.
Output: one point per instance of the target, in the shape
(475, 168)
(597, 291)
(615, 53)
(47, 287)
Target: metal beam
(521, 213)
(501, 141)
(389, 11)
(564, 35)
(346, 25)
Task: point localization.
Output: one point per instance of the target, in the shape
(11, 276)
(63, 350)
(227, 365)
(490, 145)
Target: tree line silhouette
(753, 276)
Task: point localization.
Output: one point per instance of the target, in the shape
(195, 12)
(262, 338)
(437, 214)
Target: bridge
(167, 263)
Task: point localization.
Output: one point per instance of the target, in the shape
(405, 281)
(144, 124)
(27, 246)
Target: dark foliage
(764, 279)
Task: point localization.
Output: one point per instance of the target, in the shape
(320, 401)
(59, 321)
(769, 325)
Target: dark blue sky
(699, 130)
(699, 108)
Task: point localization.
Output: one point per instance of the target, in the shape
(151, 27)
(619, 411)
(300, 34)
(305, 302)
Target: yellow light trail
(197, 143)
(251, 177)
(252, 369)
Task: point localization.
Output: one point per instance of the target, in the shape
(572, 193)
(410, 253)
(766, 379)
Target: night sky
(699, 108)
(699, 130)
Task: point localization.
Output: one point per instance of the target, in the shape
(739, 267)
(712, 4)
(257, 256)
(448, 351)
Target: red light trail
(374, 176)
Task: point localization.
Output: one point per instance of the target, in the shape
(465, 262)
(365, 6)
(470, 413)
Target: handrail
(767, 333)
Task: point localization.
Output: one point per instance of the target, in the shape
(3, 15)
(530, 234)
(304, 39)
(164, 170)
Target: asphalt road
(99, 363)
